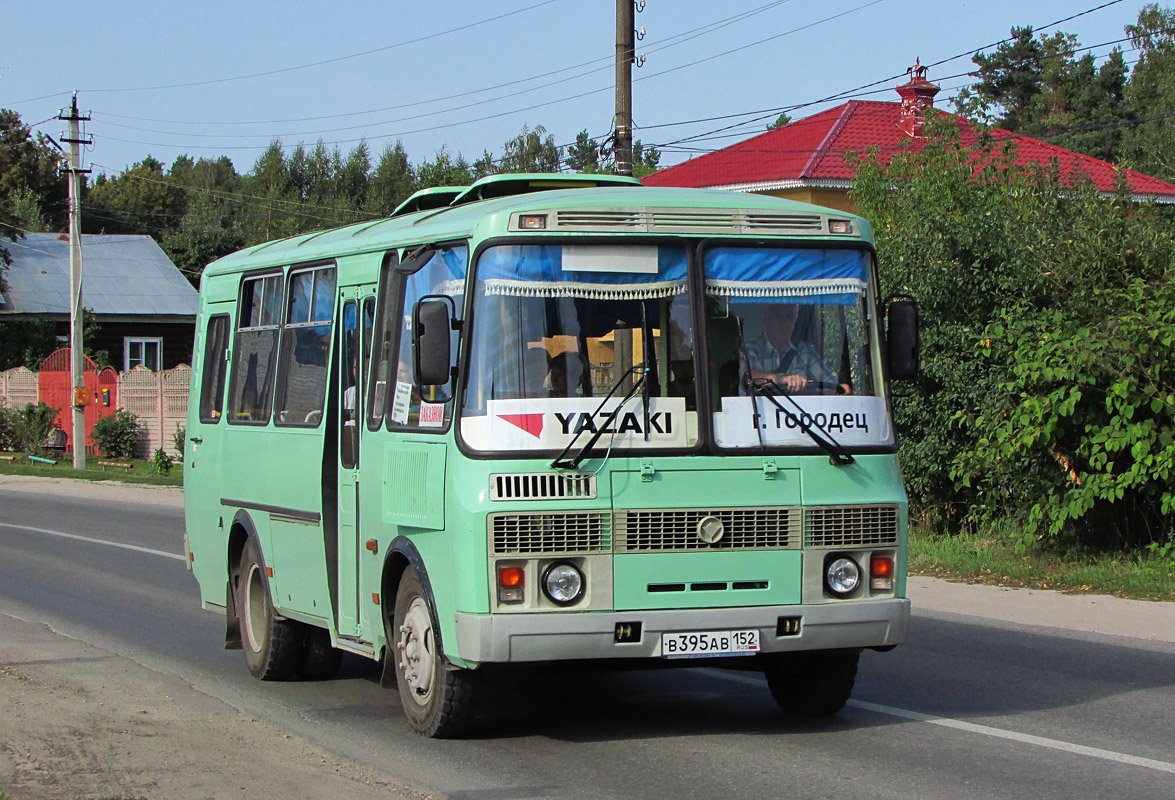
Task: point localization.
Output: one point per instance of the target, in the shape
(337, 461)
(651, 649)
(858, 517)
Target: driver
(796, 367)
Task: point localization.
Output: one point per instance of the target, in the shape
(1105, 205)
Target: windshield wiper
(563, 463)
(837, 455)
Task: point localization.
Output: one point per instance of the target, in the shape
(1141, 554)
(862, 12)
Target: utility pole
(76, 363)
(625, 55)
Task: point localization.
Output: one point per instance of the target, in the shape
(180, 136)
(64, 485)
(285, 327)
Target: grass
(989, 559)
(141, 471)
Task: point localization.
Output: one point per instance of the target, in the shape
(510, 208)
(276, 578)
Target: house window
(145, 351)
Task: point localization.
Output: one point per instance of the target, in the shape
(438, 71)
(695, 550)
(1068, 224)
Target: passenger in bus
(794, 366)
(565, 375)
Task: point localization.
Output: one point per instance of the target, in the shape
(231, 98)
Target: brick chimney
(917, 96)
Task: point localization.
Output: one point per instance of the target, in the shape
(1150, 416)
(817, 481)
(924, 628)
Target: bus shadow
(947, 668)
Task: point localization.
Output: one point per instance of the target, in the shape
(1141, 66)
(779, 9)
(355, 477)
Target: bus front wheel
(437, 699)
(273, 647)
(812, 684)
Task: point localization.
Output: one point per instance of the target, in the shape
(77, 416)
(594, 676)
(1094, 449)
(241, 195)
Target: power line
(335, 60)
(766, 113)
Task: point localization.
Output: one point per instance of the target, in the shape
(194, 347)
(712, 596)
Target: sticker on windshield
(432, 415)
(551, 423)
(851, 421)
(401, 401)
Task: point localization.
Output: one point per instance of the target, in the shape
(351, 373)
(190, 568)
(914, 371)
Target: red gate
(56, 389)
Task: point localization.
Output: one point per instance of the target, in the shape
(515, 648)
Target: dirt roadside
(77, 721)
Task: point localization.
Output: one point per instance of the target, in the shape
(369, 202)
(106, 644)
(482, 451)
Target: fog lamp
(563, 583)
(842, 576)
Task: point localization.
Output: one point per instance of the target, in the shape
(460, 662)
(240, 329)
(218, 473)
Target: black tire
(812, 684)
(438, 699)
(273, 647)
(319, 660)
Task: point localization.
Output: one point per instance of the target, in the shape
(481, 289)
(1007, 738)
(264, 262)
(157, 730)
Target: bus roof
(600, 210)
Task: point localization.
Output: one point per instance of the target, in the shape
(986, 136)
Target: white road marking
(987, 730)
(64, 535)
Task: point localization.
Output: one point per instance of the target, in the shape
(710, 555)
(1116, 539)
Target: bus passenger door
(356, 306)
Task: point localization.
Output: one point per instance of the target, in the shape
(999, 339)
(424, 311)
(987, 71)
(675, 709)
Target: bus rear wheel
(437, 699)
(812, 684)
(273, 647)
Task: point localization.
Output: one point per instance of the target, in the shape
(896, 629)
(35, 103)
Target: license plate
(709, 643)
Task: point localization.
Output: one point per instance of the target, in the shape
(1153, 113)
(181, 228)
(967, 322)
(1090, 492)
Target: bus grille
(542, 486)
(850, 526)
(677, 529)
(577, 532)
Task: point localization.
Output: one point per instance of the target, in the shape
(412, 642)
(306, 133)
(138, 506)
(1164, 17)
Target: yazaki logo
(552, 422)
(531, 423)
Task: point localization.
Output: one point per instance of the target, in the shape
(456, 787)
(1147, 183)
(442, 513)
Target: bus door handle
(196, 439)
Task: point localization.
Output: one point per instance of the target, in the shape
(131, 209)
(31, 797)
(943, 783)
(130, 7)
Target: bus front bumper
(562, 636)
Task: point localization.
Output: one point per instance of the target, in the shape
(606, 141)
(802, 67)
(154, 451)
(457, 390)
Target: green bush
(7, 428)
(117, 435)
(1046, 401)
(162, 461)
(30, 426)
(178, 438)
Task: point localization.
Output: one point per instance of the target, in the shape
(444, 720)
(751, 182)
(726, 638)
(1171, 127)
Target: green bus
(553, 418)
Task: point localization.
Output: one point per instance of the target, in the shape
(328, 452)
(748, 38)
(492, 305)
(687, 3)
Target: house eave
(790, 183)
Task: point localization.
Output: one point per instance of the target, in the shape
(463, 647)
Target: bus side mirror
(431, 327)
(902, 338)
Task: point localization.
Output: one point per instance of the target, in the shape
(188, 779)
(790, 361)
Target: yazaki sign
(551, 423)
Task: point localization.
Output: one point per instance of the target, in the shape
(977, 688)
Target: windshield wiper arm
(560, 461)
(837, 455)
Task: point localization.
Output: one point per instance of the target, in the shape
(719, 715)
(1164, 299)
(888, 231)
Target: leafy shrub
(118, 435)
(31, 425)
(162, 461)
(7, 428)
(1045, 402)
(177, 439)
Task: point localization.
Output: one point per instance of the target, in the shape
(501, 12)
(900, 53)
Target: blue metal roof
(122, 276)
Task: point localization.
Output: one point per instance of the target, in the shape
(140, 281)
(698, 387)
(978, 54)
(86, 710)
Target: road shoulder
(79, 721)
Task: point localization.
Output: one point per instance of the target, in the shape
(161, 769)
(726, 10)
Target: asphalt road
(969, 707)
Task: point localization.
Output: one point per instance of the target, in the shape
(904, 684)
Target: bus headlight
(842, 576)
(563, 583)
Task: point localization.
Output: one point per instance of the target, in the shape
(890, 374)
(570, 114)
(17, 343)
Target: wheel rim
(417, 652)
(254, 615)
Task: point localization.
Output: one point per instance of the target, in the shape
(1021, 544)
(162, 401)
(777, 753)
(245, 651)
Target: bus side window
(215, 369)
(380, 362)
(255, 350)
(412, 406)
(306, 337)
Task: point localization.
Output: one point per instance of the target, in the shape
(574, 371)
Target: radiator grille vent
(679, 220)
(743, 528)
(598, 219)
(542, 486)
(791, 222)
(525, 534)
(850, 526)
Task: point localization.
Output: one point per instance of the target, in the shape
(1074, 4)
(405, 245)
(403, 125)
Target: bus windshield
(557, 328)
(792, 347)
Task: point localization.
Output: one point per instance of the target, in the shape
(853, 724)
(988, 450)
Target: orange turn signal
(511, 576)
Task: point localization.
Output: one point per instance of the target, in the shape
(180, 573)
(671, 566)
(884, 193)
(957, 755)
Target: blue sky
(398, 70)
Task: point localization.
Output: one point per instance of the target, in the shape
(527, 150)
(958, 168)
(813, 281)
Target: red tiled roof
(811, 151)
